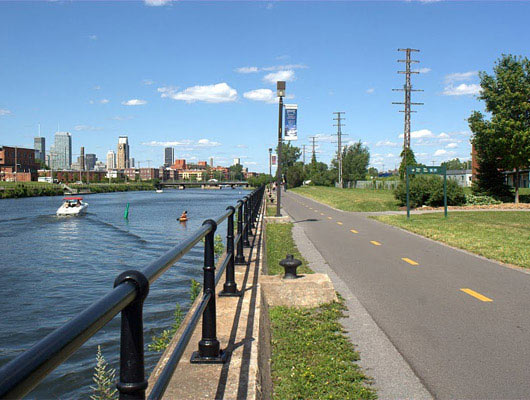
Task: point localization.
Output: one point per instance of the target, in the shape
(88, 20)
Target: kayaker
(184, 216)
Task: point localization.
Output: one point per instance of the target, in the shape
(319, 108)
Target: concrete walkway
(460, 322)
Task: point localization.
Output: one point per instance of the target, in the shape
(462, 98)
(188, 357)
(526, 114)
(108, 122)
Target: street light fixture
(280, 91)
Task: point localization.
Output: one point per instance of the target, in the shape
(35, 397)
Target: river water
(53, 267)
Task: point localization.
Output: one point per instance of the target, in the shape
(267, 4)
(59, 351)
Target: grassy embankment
(498, 235)
(33, 189)
(351, 199)
(311, 357)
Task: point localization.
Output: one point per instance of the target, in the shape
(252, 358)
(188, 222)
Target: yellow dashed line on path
(353, 231)
(329, 218)
(339, 223)
(476, 295)
(408, 260)
(321, 213)
(375, 243)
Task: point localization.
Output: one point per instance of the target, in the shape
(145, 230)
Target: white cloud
(284, 75)
(370, 91)
(462, 90)
(443, 135)
(452, 145)
(323, 137)
(97, 87)
(242, 146)
(247, 70)
(266, 95)
(121, 118)
(218, 93)
(423, 70)
(422, 133)
(134, 102)
(104, 101)
(92, 37)
(186, 143)
(386, 143)
(148, 82)
(86, 128)
(4, 111)
(460, 76)
(440, 152)
(389, 155)
(156, 3)
(284, 67)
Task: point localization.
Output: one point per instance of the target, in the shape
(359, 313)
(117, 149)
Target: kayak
(182, 219)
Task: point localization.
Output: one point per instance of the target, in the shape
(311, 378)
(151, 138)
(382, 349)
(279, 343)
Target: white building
(461, 176)
(111, 159)
(237, 161)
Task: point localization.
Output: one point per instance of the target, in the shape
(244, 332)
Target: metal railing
(19, 376)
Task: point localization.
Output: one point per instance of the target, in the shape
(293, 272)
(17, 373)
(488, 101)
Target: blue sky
(200, 75)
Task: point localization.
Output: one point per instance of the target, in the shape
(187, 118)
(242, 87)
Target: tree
(295, 175)
(408, 159)
(373, 172)
(355, 160)
(319, 174)
(507, 134)
(290, 154)
(236, 172)
(489, 180)
(456, 164)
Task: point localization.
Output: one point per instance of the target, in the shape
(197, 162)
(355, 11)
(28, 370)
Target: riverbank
(12, 190)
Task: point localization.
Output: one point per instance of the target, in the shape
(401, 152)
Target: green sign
(439, 170)
(434, 170)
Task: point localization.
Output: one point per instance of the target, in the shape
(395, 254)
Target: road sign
(433, 170)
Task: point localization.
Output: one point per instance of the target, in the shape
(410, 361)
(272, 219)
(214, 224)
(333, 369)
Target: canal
(54, 267)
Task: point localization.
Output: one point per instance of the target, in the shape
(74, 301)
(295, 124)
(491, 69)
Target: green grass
(499, 235)
(351, 199)
(271, 210)
(311, 357)
(279, 244)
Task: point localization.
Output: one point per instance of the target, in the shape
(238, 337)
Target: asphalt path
(461, 322)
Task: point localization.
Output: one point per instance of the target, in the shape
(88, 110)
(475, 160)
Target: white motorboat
(72, 206)
(159, 191)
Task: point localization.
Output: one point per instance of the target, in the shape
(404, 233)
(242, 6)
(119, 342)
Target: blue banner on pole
(291, 130)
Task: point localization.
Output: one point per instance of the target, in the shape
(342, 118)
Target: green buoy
(126, 213)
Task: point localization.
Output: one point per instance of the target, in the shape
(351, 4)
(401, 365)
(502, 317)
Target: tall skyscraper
(237, 161)
(211, 162)
(81, 159)
(122, 158)
(169, 156)
(131, 162)
(40, 148)
(111, 160)
(61, 151)
(90, 161)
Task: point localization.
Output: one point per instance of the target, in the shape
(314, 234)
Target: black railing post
(246, 228)
(132, 382)
(230, 285)
(209, 347)
(240, 257)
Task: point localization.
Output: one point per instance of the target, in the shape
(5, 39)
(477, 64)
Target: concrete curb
(379, 358)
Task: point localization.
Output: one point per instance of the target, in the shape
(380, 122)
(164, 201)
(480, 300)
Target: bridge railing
(19, 376)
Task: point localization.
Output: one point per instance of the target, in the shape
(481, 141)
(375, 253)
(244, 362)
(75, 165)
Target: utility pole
(280, 92)
(303, 152)
(407, 88)
(339, 125)
(313, 138)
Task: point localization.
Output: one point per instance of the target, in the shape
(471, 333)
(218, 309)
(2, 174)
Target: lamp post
(270, 168)
(280, 91)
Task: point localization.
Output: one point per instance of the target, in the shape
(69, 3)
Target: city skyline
(219, 102)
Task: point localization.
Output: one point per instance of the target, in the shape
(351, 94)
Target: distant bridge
(203, 184)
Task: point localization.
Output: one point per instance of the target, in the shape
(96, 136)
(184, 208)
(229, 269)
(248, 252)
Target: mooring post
(246, 228)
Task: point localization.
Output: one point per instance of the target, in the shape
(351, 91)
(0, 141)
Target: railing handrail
(20, 375)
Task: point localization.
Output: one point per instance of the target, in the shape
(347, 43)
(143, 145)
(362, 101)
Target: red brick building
(25, 169)
(147, 174)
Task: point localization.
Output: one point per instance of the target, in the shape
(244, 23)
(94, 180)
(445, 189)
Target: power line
(313, 138)
(407, 88)
(339, 126)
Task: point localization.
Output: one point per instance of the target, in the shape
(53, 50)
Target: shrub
(428, 190)
(480, 200)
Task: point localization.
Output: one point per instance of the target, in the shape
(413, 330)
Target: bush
(429, 190)
(480, 200)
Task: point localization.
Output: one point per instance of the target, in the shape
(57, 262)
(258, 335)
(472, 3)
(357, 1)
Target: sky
(200, 76)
